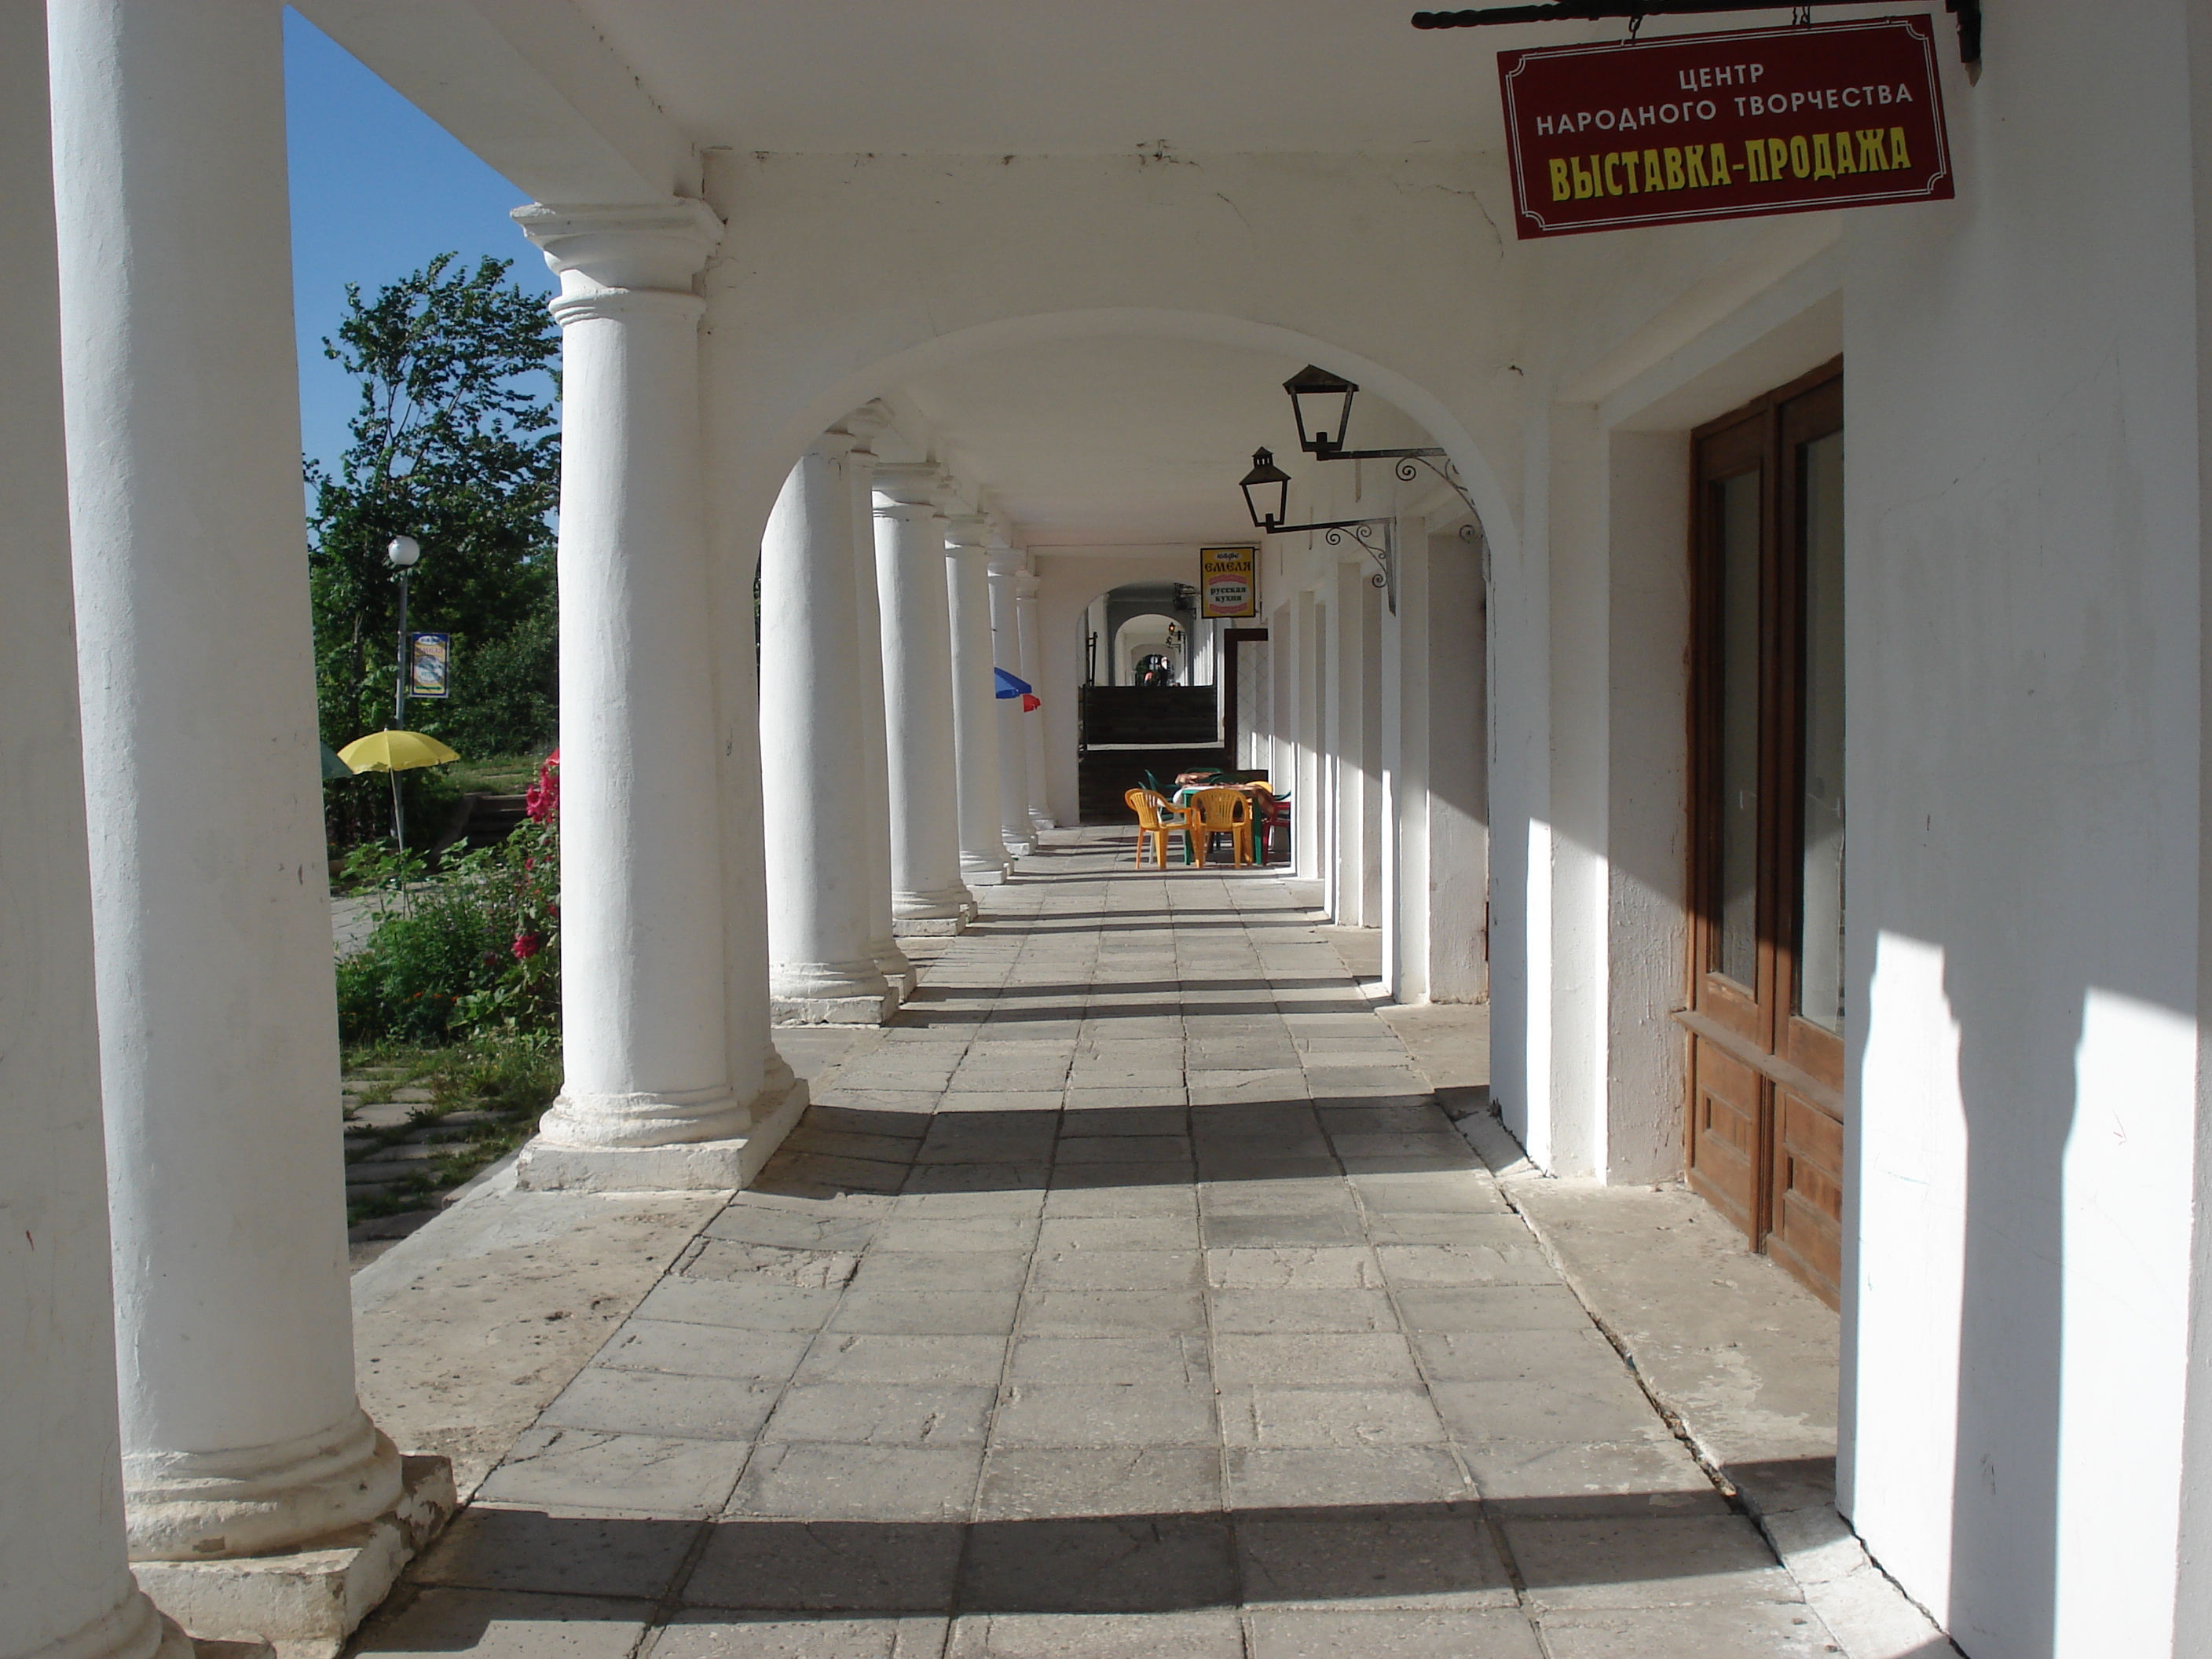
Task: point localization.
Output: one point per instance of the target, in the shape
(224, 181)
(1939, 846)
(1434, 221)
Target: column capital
(597, 250)
(1008, 562)
(1028, 586)
(865, 423)
(968, 532)
(910, 484)
(835, 444)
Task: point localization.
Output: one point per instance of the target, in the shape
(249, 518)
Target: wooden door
(1765, 1127)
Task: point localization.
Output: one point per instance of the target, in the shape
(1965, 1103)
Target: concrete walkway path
(1130, 1296)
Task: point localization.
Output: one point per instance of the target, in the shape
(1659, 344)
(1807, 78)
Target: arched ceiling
(1114, 442)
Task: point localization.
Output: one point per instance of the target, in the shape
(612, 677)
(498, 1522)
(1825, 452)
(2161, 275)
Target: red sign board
(1690, 127)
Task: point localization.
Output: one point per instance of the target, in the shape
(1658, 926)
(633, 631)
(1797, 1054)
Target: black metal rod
(1968, 12)
(1332, 454)
(1269, 527)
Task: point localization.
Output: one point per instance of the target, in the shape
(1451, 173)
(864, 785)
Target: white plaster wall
(2024, 655)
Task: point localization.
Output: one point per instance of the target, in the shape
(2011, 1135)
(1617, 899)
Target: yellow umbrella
(395, 751)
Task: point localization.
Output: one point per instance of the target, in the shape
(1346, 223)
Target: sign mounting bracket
(1968, 12)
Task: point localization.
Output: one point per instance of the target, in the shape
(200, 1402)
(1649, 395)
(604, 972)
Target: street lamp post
(401, 553)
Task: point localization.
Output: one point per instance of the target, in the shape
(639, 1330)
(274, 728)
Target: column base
(304, 1603)
(833, 1011)
(984, 874)
(1040, 822)
(931, 926)
(900, 974)
(1020, 846)
(684, 1167)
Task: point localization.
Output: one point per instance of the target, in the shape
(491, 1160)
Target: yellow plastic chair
(1220, 812)
(1157, 819)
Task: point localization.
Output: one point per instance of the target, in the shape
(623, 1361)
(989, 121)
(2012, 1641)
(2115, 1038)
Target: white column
(219, 1050)
(1354, 723)
(1006, 568)
(814, 788)
(1309, 816)
(984, 860)
(1032, 670)
(928, 896)
(67, 1587)
(868, 674)
(649, 1100)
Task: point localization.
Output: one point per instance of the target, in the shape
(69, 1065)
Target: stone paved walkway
(1130, 1296)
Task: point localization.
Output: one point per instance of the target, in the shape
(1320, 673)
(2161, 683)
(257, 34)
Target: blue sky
(378, 189)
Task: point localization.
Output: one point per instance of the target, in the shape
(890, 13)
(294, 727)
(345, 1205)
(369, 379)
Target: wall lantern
(1266, 491)
(1323, 403)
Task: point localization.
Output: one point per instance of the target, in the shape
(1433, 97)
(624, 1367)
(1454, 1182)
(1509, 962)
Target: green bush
(473, 954)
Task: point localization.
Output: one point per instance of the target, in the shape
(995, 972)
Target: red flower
(527, 946)
(541, 800)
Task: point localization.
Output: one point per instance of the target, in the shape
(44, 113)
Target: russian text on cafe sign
(1735, 125)
(1228, 581)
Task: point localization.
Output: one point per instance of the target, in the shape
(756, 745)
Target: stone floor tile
(1095, 1101)
(1336, 1227)
(1123, 1148)
(738, 1306)
(858, 1483)
(1198, 1635)
(1588, 1403)
(895, 1120)
(1111, 1313)
(591, 1468)
(962, 1099)
(925, 1312)
(930, 1233)
(1223, 1088)
(758, 1223)
(1065, 1234)
(662, 1403)
(1649, 1562)
(1426, 1227)
(1134, 1199)
(1016, 1179)
(732, 1635)
(1497, 1633)
(1440, 1556)
(813, 1136)
(1381, 1415)
(1285, 1360)
(1176, 1173)
(897, 1567)
(1112, 1414)
(884, 1413)
(1293, 1267)
(1327, 1477)
(969, 1360)
(1505, 1262)
(1168, 1359)
(824, 1170)
(507, 1625)
(1133, 1563)
(1087, 1119)
(1277, 1198)
(1428, 1192)
(1115, 1270)
(884, 1271)
(1287, 1311)
(1244, 1164)
(572, 1552)
(657, 1345)
(1783, 1631)
(953, 1191)
(1006, 1137)
(1505, 1356)
(1074, 1481)
(767, 1264)
(1509, 1307)
(1592, 1479)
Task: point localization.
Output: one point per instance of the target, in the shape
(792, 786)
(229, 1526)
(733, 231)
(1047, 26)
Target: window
(1768, 994)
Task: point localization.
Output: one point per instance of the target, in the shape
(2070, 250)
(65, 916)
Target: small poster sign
(1736, 125)
(430, 663)
(1228, 581)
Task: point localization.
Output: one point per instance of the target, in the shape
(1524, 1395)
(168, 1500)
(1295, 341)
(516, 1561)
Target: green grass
(510, 1083)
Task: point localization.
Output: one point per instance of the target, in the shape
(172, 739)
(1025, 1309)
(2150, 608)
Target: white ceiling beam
(529, 85)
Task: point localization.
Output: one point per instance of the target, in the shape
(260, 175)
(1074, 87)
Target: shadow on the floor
(1349, 1004)
(941, 990)
(1437, 1554)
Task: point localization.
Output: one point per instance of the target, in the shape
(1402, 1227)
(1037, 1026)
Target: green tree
(454, 444)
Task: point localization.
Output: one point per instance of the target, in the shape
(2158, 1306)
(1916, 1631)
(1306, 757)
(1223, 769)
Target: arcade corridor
(1129, 1295)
